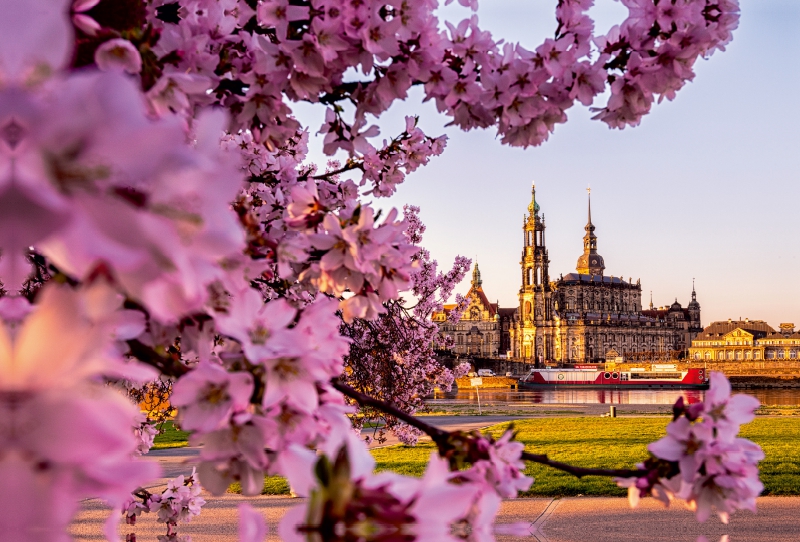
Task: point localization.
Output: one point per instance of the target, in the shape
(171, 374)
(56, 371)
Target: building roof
(580, 277)
(491, 307)
(716, 330)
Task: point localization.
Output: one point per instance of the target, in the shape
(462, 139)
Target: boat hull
(632, 386)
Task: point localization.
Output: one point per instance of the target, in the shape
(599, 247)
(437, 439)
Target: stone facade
(745, 340)
(587, 316)
(478, 333)
(580, 317)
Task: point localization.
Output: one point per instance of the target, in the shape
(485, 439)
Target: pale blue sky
(705, 187)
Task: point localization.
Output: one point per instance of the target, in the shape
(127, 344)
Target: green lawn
(605, 443)
(170, 437)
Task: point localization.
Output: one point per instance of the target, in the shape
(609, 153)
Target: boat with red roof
(657, 376)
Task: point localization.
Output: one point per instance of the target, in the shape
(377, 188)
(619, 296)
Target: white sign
(476, 382)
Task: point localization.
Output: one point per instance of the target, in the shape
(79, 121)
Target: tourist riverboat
(594, 377)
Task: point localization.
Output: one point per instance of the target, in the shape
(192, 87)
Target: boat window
(655, 376)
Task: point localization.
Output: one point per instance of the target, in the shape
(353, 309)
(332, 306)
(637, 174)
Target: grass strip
(170, 437)
(600, 442)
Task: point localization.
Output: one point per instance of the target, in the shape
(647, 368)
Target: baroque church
(581, 317)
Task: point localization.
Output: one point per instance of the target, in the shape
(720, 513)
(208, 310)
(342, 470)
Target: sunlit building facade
(746, 340)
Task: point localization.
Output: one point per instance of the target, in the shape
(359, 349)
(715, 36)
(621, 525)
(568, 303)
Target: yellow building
(745, 340)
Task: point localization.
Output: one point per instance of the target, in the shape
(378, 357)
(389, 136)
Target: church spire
(651, 299)
(589, 193)
(694, 294)
(476, 275)
(533, 208)
(590, 263)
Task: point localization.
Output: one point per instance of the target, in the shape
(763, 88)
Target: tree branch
(166, 365)
(439, 435)
(580, 472)
(365, 400)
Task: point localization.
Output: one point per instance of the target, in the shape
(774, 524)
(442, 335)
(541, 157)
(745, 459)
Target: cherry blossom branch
(168, 366)
(580, 472)
(440, 437)
(349, 166)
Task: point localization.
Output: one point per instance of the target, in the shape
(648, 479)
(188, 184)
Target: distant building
(478, 332)
(587, 316)
(578, 318)
(745, 340)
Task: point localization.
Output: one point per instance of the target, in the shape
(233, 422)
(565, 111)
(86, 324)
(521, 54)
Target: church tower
(534, 295)
(694, 310)
(590, 263)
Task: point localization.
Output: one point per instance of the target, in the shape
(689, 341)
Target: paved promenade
(578, 519)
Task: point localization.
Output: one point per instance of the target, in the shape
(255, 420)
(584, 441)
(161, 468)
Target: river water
(773, 397)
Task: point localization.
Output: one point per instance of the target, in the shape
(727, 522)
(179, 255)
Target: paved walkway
(578, 519)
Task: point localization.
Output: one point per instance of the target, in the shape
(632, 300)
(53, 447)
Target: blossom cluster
(178, 503)
(65, 436)
(348, 499)
(701, 460)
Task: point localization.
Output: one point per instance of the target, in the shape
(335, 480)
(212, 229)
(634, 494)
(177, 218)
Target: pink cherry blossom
(209, 395)
(118, 54)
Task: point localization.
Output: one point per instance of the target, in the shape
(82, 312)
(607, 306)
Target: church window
(529, 278)
(527, 308)
(538, 276)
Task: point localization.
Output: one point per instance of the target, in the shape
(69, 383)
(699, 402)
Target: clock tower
(534, 295)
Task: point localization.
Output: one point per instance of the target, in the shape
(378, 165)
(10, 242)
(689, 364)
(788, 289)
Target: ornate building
(478, 332)
(745, 340)
(581, 317)
(587, 316)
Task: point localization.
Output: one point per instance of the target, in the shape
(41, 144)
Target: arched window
(720, 355)
(708, 356)
(527, 308)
